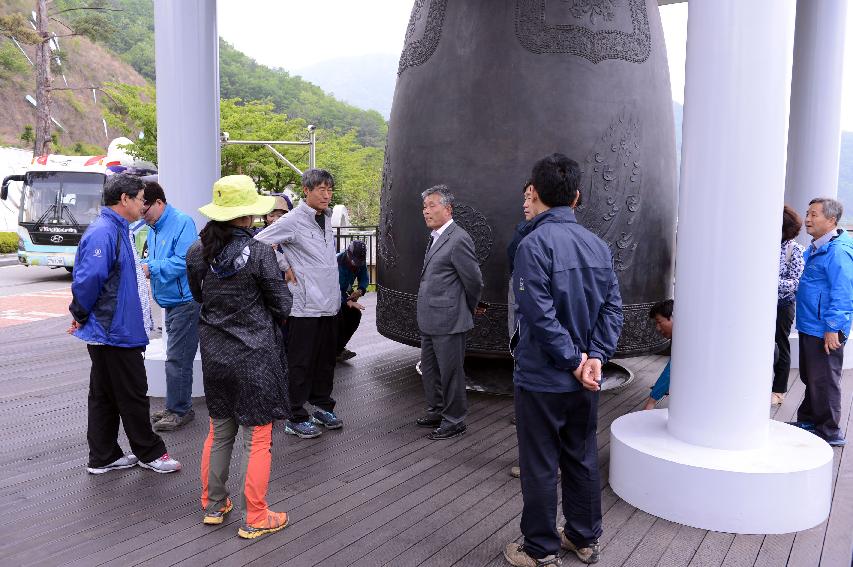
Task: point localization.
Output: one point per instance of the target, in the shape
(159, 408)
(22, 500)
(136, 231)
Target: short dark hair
(119, 184)
(792, 223)
(314, 177)
(831, 207)
(662, 308)
(153, 191)
(556, 179)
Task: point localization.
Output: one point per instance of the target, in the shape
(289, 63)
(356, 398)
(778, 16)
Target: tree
(91, 24)
(27, 136)
(357, 169)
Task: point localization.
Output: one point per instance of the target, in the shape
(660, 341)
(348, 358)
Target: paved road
(33, 294)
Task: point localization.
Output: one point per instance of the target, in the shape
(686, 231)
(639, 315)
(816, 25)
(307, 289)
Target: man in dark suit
(448, 295)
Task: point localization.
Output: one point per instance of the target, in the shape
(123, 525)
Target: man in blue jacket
(824, 309)
(568, 320)
(170, 235)
(108, 317)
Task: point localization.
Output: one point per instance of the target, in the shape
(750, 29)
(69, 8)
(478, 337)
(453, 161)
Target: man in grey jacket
(310, 265)
(448, 295)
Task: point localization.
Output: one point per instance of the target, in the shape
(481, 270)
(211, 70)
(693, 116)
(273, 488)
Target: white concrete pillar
(187, 67)
(186, 46)
(814, 133)
(714, 460)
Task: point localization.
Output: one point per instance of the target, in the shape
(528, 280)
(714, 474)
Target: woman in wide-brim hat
(243, 298)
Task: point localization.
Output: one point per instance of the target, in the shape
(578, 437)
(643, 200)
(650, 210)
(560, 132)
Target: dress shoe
(431, 421)
(448, 431)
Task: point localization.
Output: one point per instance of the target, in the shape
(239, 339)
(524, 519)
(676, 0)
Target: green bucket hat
(236, 196)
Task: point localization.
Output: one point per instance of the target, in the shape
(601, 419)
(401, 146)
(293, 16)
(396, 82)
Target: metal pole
(312, 151)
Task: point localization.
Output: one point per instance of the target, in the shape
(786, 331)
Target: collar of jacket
(554, 214)
(840, 239)
(115, 217)
(164, 218)
(303, 208)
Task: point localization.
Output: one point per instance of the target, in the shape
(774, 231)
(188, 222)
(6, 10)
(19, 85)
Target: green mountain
(240, 76)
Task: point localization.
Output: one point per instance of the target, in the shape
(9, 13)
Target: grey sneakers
(171, 421)
(124, 462)
(163, 465)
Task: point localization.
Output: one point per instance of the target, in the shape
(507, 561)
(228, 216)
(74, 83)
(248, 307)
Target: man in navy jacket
(824, 311)
(170, 235)
(108, 317)
(568, 320)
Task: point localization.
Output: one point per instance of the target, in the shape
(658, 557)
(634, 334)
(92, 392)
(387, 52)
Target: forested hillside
(240, 76)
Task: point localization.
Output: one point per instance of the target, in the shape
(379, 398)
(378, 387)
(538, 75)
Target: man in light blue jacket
(824, 311)
(170, 235)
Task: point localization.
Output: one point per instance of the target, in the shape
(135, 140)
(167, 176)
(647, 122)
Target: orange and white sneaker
(218, 516)
(275, 521)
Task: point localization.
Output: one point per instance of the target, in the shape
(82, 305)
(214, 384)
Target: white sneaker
(124, 462)
(163, 465)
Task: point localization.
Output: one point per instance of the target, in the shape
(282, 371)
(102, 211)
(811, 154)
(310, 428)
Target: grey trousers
(821, 373)
(254, 467)
(443, 375)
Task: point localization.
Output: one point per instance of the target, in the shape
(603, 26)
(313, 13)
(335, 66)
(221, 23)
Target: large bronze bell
(487, 87)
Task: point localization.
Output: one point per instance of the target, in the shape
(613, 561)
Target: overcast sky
(293, 35)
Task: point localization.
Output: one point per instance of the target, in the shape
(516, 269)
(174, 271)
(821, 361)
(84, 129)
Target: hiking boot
(515, 472)
(588, 554)
(807, 425)
(124, 462)
(345, 354)
(158, 415)
(171, 421)
(275, 521)
(327, 419)
(163, 465)
(302, 429)
(218, 516)
(837, 442)
(516, 555)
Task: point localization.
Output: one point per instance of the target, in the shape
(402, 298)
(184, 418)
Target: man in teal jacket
(824, 310)
(172, 233)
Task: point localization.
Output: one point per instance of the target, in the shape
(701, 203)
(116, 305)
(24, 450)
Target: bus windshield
(62, 197)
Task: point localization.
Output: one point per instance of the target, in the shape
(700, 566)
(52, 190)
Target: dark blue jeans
(558, 430)
(182, 344)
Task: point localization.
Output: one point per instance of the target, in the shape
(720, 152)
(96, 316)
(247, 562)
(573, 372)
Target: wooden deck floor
(375, 493)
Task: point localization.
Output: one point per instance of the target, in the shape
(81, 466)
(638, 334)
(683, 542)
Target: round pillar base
(155, 369)
(785, 486)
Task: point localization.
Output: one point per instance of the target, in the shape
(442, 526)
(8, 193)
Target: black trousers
(348, 321)
(118, 391)
(558, 430)
(311, 343)
(782, 362)
(821, 373)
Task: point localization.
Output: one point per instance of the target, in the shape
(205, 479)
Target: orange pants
(254, 469)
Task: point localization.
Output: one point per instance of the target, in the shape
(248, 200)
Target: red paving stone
(35, 306)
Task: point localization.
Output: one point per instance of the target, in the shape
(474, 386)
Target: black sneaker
(327, 419)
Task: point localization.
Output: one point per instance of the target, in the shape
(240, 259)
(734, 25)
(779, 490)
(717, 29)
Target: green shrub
(8, 242)
(12, 62)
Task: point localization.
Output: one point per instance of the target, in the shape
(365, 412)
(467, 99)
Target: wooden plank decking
(375, 493)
